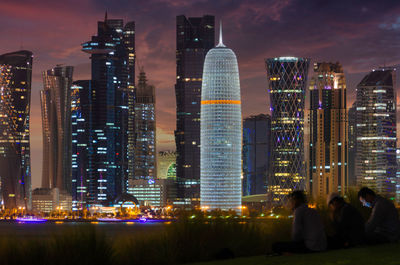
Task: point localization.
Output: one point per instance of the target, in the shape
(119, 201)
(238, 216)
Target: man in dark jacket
(347, 222)
(308, 233)
(383, 226)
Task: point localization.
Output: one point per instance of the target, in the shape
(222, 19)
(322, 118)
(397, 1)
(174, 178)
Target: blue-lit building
(83, 171)
(220, 131)
(111, 135)
(376, 163)
(287, 78)
(256, 154)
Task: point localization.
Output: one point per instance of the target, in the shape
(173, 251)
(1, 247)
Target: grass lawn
(377, 255)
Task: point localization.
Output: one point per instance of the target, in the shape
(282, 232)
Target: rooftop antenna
(220, 43)
(105, 16)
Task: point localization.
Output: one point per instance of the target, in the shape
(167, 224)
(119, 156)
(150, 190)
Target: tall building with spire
(221, 131)
(194, 38)
(112, 54)
(15, 96)
(328, 144)
(287, 78)
(376, 163)
(55, 100)
(145, 150)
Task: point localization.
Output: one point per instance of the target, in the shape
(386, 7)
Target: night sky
(361, 35)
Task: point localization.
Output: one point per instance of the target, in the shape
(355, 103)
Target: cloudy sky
(361, 34)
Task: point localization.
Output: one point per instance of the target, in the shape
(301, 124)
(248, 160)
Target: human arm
(376, 218)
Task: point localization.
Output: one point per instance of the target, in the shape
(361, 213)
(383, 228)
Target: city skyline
(331, 41)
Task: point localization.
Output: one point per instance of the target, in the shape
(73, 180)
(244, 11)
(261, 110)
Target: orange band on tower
(209, 102)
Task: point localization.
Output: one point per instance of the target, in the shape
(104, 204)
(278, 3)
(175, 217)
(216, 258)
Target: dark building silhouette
(352, 132)
(55, 100)
(287, 77)
(327, 167)
(15, 164)
(84, 171)
(256, 154)
(145, 124)
(376, 163)
(111, 119)
(194, 37)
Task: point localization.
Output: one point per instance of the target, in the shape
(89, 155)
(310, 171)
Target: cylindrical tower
(220, 131)
(287, 78)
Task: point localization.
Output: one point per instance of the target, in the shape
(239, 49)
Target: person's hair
(299, 196)
(337, 199)
(365, 191)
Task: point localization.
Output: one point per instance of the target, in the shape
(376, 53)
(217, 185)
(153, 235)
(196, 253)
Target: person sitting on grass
(307, 229)
(347, 223)
(383, 226)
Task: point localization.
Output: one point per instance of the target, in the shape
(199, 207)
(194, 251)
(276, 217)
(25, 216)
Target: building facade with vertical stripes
(287, 78)
(328, 157)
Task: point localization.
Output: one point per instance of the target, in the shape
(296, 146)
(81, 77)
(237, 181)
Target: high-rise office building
(287, 77)
(398, 176)
(194, 38)
(83, 169)
(55, 101)
(256, 154)
(221, 131)
(327, 167)
(145, 149)
(112, 108)
(15, 162)
(352, 144)
(376, 132)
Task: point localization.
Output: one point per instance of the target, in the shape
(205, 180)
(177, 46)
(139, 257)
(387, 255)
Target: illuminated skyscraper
(327, 167)
(112, 110)
(15, 163)
(352, 150)
(376, 132)
(221, 131)
(84, 171)
(287, 78)
(194, 38)
(55, 101)
(256, 154)
(145, 150)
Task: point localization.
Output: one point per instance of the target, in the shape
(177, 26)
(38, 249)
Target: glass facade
(111, 135)
(194, 38)
(55, 100)
(155, 193)
(221, 132)
(352, 150)
(287, 78)
(327, 163)
(256, 154)
(376, 163)
(15, 99)
(145, 149)
(83, 145)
